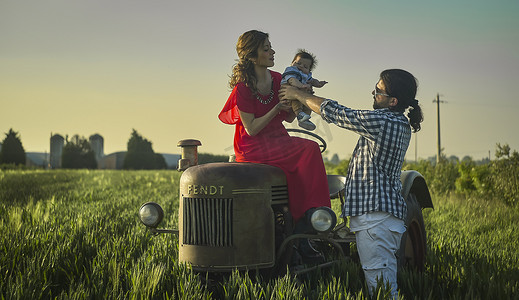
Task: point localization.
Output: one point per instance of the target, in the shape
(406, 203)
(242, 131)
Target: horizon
(327, 156)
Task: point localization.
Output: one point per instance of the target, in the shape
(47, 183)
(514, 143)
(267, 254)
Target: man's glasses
(377, 93)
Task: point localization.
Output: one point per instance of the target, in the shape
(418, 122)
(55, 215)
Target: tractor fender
(413, 182)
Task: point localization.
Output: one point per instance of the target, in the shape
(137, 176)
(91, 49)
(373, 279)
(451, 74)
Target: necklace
(268, 99)
(271, 95)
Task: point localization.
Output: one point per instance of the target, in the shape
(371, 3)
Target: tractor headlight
(151, 214)
(322, 219)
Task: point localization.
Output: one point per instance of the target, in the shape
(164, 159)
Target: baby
(299, 75)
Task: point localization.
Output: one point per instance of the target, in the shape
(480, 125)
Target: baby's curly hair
(306, 55)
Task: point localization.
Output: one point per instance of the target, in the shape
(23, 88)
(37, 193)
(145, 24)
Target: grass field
(75, 234)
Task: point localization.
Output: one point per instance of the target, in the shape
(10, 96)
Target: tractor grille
(208, 222)
(279, 194)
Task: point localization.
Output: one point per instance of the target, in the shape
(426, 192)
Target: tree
(77, 154)
(140, 154)
(505, 173)
(12, 149)
(335, 159)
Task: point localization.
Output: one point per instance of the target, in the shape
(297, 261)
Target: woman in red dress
(260, 137)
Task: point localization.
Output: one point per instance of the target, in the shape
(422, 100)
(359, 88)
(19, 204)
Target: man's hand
(308, 88)
(292, 93)
(284, 105)
(287, 92)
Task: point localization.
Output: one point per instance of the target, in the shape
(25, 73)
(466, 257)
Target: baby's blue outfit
(297, 74)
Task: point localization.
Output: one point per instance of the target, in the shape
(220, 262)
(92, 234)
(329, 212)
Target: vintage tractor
(235, 216)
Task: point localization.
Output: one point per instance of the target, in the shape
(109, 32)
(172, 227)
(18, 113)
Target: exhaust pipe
(189, 154)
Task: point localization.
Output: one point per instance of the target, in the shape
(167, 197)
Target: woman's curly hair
(247, 48)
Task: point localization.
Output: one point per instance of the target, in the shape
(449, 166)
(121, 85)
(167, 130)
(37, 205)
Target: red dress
(299, 158)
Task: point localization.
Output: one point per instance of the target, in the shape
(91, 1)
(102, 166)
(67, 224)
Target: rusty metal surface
(225, 217)
(189, 153)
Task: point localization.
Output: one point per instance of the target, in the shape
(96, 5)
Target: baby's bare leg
(297, 107)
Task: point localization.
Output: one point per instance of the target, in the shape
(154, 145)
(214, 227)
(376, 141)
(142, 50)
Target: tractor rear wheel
(413, 246)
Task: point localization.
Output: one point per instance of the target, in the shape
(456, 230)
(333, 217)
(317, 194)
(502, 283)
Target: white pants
(377, 247)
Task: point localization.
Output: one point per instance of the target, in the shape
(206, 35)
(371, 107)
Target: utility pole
(416, 147)
(437, 101)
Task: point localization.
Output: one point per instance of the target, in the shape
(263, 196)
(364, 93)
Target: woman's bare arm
(254, 125)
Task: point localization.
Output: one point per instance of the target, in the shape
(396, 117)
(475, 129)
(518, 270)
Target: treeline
(496, 179)
(204, 158)
(78, 154)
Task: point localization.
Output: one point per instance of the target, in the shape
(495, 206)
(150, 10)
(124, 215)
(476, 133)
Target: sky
(162, 67)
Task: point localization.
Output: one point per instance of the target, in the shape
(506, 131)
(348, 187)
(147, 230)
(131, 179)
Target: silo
(97, 145)
(56, 149)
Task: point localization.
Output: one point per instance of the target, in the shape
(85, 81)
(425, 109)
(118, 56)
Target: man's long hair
(403, 86)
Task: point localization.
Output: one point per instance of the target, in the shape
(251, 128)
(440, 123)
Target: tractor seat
(336, 185)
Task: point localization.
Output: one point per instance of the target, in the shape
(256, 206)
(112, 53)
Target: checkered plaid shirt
(373, 179)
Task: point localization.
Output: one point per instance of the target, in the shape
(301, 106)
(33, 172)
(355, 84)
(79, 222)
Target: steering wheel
(322, 143)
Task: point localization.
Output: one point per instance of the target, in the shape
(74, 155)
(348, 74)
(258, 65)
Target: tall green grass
(75, 235)
(474, 249)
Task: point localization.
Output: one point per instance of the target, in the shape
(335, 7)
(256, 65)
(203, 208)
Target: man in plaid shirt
(373, 189)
